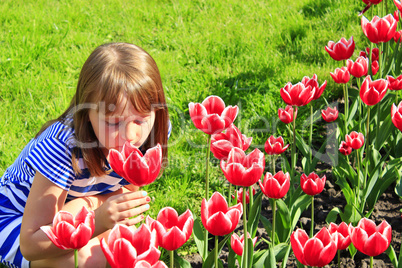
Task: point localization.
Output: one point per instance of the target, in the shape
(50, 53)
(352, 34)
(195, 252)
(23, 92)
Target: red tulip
(330, 114)
(345, 149)
(379, 30)
(312, 184)
(240, 195)
(275, 186)
(370, 239)
(125, 247)
(211, 116)
(372, 92)
(341, 50)
(374, 55)
(222, 143)
(237, 243)
(307, 81)
(317, 251)
(394, 83)
(375, 67)
(341, 75)
(217, 217)
(241, 169)
(145, 264)
(374, 2)
(355, 140)
(172, 230)
(398, 5)
(358, 68)
(275, 145)
(136, 168)
(286, 115)
(397, 36)
(297, 95)
(70, 232)
(342, 232)
(396, 16)
(396, 115)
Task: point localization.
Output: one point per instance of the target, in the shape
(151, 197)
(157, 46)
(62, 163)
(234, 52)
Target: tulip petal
(375, 245)
(168, 217)
(116, 162)
(197, 113)
(212, 124)
(151, 256)
(50, 234)
(298, 240)
(230, 114)
(214, 105)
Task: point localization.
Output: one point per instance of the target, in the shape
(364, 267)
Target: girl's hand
(125, 208)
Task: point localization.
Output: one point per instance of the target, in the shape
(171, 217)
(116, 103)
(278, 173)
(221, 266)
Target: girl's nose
(132, 132)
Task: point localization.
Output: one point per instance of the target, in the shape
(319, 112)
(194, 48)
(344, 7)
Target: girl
(119, 98)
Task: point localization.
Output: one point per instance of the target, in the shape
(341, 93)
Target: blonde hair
(111, 71)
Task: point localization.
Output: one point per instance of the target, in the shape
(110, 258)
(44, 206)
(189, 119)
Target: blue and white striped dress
(49, 154)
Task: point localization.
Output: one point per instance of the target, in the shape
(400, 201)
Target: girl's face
(124, 124)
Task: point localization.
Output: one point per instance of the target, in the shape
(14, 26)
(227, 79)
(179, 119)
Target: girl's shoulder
(62, 131)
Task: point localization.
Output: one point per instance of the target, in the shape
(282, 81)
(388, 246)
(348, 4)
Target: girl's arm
(46, 199)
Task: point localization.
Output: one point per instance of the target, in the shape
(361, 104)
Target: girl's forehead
(122, 108)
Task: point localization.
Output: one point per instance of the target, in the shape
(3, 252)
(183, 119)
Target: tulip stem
(339, 259)
(76, 258)
(273, 160)
(216, 251)
(251, 197)
(371, 261)
(207, 169)
(171, 253)
(380, 48)
(230, 194)
(245, 247)
(293, 153)
(312, 217)
(273, 222)
(311, 134)
(358, 175)
(207, 192)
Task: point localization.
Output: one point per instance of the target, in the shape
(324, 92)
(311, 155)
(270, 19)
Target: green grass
(243, 51)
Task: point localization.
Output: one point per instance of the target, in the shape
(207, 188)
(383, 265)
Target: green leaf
(259, 259)
(267, 224)
(254, 214)
(392, 256)
(285, 259)
(270, 261)
(198, 232)
(209, 262)
(351, 214)
(333, 215)
(231, 258)
(352, 250)
(180, 262)
(283, 221)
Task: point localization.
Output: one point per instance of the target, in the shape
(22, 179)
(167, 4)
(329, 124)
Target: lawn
(242, 51)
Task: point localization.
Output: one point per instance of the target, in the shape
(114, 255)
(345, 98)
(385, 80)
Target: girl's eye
(112, 124)
(139, 122)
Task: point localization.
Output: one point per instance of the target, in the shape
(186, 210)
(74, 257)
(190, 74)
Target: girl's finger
(130, 196)
(134, 212)
(128, 205)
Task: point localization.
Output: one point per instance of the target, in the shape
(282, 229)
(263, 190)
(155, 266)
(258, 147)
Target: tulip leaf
(283, 221)
(180, 262)
(389, 175)
(384, 133)
(260, 259)
(270, 261)
(254, 214)
(250, 248)
(333, 215)
(285, 259)
(198, 232)
(297, 209)
(392, 256)
(352, 250)
(209, 262)
(267, 224)
(351, 214)
(231, 258)
(352, 111)
(398, 187)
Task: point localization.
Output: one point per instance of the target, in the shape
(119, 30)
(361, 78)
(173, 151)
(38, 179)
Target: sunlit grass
(243, 51)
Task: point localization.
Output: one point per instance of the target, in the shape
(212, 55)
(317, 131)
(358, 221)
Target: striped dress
(49, 154)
